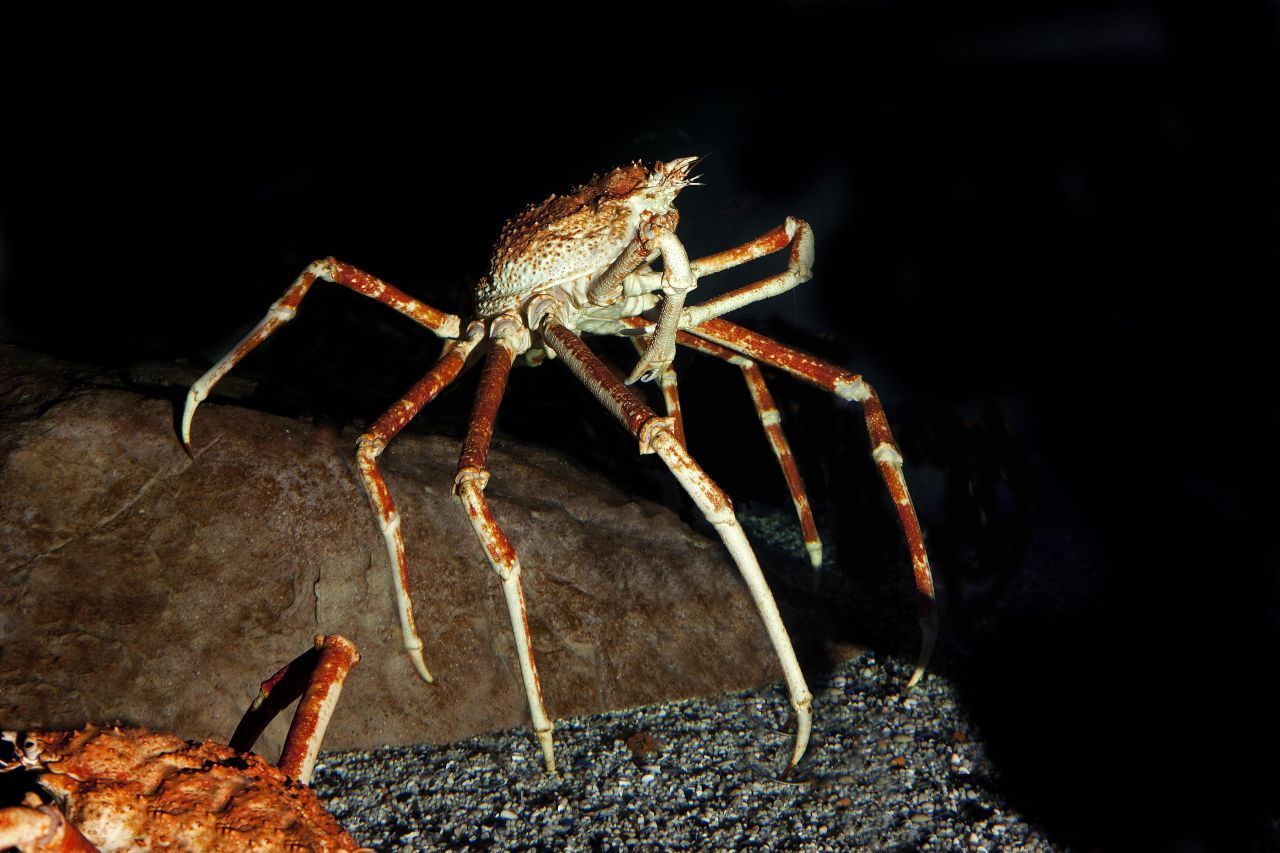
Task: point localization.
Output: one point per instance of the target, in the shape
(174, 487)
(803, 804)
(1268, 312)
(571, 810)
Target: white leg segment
(715, 506)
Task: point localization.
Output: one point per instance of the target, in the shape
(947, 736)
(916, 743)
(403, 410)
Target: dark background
(1047, 235)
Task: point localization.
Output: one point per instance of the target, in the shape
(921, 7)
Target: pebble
(716, 786)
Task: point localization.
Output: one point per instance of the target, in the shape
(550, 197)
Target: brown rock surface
(143, 586)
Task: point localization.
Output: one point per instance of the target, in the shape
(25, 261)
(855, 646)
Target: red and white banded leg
(656, 435)
(793, 234)
(850, 386)
(771, 420)
(286, 307)
(472, 477)
(317, 675)
(670, 391)
(370, 447)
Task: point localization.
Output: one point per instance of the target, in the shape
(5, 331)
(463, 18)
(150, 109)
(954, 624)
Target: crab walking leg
(473, 475)
(317, 675)
(657, 436)
(370, 447)
(799, 270)
(670, 393)
(851, 386)
(43, 828)
(771, 420)
(286, 307)
(794, 233)
(677, 279)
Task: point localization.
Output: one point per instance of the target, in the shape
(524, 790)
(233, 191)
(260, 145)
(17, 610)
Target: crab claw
(653, 362)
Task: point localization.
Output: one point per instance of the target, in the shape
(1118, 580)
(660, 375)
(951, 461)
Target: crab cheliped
(583, 263)
(124, 788)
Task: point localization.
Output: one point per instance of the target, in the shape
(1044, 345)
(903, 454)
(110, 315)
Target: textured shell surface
(571, 239)
(134, 789)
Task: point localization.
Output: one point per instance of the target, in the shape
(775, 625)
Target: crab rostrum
(584, 263)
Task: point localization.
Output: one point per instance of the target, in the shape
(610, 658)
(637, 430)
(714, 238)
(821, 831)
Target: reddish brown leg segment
(286, 307)
(670, 391)
(371, 445)
(656, 435)
(473, 475)
(317, 676)
(850, 386)
(793, 234)
(771, 420)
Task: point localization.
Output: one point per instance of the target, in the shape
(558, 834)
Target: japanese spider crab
(124, 788)
(583, 263)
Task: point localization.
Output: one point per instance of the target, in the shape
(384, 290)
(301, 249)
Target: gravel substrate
(885, 769)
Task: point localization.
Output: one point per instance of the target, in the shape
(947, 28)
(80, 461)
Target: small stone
(918, 817)
(647, 779)
(507, 814)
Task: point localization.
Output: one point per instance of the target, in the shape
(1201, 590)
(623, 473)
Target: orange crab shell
(131, 788)
(573, 236)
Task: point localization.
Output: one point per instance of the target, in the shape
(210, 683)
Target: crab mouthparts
(678, 170)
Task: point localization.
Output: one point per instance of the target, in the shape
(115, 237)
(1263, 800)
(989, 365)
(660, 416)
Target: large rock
(141, 585)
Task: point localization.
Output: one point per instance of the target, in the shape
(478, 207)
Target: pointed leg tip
(929, 629)
(188, 413)
(420, 664)
(804, 725)
(815, 553)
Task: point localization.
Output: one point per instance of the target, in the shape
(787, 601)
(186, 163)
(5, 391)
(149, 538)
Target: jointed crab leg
(794, 233)
(670, 391)
(799, 270)
(850, 386)
(473, 475)
(317, 676)
(655, 434)
(371, 445)
(40, 827)
(677, 279)
(286, 307)
(771, 420)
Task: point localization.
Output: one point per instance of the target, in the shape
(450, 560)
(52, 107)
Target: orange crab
(124, 788)
(582, 263)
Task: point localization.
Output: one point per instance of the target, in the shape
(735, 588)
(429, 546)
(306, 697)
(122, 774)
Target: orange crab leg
(317, 676)
(370, 446)
(850, 386)
(286, 307)
(670, 391)
(656, 435)
(794, 233)
(469, 484)
(771, 420)
(44, 828)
